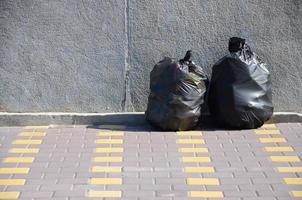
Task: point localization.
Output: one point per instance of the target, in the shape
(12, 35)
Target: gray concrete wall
(96, 55)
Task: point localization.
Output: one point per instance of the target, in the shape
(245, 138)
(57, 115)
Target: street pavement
(138, 163)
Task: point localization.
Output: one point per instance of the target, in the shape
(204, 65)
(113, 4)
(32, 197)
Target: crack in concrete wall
(126, 102)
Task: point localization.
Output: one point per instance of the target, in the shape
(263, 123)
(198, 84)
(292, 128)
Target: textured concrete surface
(169, 28)
(95, 56)
(136, 162)
(62, 55)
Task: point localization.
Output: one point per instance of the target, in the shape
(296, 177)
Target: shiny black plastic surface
(177, 92)
(240, 89)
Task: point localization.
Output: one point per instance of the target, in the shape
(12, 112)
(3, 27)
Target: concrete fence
(96, 55)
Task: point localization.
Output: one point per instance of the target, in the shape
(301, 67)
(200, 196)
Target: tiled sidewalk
(135, 163)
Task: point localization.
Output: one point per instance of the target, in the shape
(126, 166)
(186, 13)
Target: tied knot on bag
(238, 46)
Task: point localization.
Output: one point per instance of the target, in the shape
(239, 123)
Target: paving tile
(284, 187)
(153, 187)
(9, 195)
(276, 174)
(267, 132)
(202, 181)
(22, 188)
(12, 181)
(289, 169)
(190, 141)
(278, 149)
(249, 174)
(270, 193)
(140, 194)
(198, 170)
(96, 169)
(169, 193)
(193, 150)
(268, 126)
(189, 133)
(206, 194)
(105, 181)
(272, 140)
(170, 181)
(293, 181)
(94, 193)
(296, 193)
(36, 194)
(285, 159)
(56, 187)
(218, 174)
(254, 187)
(123, 187)
(110, 133)
(24, 150)
(107, 159)
(71, 193)
(135, 181)
(235, 181)
(27, 142)
(241, 194)
(36, 127)
(275, 180)
(36, 134)
(196, 159)
(109, 141)
(18, 160)
(14, 170)
(162, 174)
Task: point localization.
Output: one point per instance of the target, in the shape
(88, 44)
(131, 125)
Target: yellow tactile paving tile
(196, 159)
(289, 169)
(105, 181)
(296, 193)
(202, 181)
(109, 150)
(198, 169)
(24, 150)
(285, 159)
(18, 159)
(278, 149)
(190, 141)
(35, 127)
(14, 170)
(110, 133)
(267, 132)
(109, 141)
(9, 195)
(27, 142)
(293, 181)
(206, 194)
(272, 140)
(96, 169)
(268, 126)
(93, 193)
(189, 133)
(38, 134)
(193, 150)
(12, 181)
(107, 159)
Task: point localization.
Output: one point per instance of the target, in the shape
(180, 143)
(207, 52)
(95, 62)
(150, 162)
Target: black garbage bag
(240, 90)
(176, 94)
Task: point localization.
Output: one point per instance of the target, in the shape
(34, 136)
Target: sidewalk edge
(127, 118)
